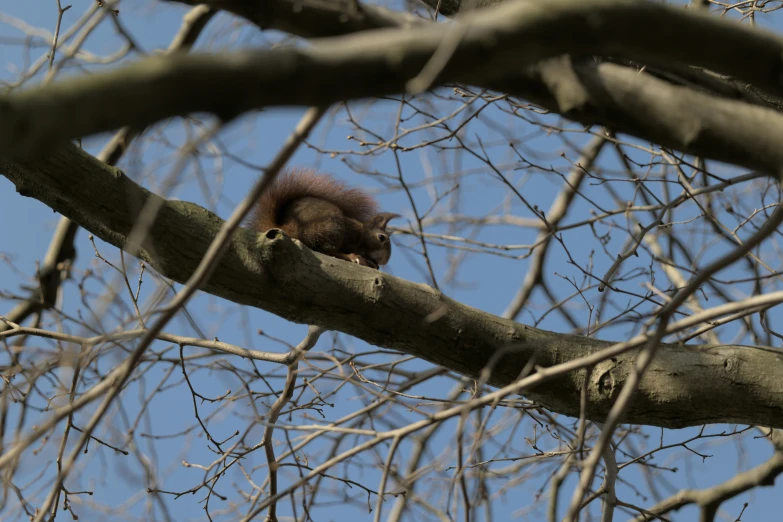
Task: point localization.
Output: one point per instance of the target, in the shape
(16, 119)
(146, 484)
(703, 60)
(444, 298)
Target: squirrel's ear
(381, 220)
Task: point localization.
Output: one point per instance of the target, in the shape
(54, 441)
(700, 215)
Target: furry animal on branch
(327, 216)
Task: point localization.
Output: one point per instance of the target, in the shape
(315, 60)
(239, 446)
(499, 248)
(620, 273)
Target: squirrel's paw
(360, 260)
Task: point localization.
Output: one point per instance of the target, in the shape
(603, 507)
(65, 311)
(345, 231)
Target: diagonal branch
(311, 19)
(685, 385)
(496, 44)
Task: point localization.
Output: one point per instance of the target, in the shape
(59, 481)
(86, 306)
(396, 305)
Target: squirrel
(326, 216)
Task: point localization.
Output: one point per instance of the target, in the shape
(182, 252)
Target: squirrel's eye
(382, 238)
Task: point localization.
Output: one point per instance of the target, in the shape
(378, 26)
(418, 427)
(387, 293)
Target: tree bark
(685, 386)
(499, 50)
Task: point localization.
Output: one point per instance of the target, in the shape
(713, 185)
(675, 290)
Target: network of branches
(578, 321)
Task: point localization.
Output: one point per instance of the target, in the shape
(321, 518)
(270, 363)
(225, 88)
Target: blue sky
(488, 282)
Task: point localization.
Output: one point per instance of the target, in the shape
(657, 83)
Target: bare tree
(580, 312)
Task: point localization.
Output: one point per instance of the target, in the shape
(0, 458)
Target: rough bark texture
(685, 385)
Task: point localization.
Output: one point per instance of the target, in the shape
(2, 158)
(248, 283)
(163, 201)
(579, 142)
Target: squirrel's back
(294, 184)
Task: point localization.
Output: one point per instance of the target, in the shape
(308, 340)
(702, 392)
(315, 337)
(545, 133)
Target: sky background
(487, 282)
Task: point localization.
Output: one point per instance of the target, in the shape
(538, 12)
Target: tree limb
(494, 47)
(685, 385)
(314, 18)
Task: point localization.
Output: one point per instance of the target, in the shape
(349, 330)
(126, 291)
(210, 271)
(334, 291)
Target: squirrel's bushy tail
(293, 184)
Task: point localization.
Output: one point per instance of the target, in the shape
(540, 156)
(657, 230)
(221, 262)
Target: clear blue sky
(485, 282)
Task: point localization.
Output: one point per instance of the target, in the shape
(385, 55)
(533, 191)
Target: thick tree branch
(685, 385)
(312, 19)
(497, 41)
(620, 28)
(340, 17)
(634, 103)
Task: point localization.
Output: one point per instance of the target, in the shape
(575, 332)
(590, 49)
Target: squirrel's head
(375, 244)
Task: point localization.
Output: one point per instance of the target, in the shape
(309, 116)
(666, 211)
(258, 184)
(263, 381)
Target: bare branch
(495, 43)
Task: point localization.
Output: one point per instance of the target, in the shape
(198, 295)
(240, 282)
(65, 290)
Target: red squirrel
(326, 216)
